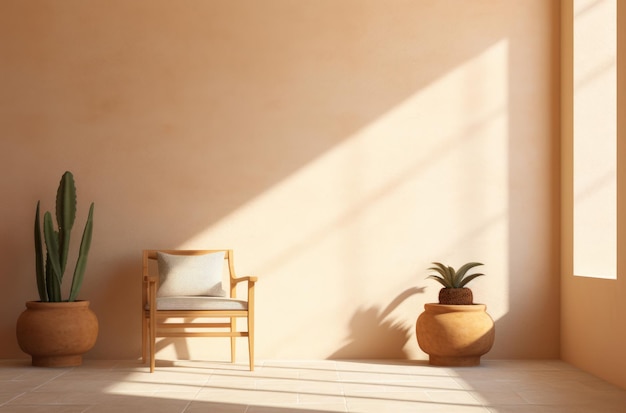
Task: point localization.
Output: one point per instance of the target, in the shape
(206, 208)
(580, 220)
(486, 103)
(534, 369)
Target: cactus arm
(65, 214)
(81, 263)
(40, 274)
(53, 288)
(52, 244)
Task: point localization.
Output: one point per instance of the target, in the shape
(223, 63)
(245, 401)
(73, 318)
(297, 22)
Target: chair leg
(144, 338)
(233, 327)
(152, 330)
(251, 342)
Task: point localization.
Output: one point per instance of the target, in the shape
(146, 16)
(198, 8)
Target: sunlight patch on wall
(595, 138)
(425, 181)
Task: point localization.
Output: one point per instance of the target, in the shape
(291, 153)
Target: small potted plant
(57, 331)
(454, 283)
(455, 331)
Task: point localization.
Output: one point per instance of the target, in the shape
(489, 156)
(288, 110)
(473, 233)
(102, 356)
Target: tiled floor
(306, 386)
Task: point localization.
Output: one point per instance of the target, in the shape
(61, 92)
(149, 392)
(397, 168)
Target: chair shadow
(375, 335)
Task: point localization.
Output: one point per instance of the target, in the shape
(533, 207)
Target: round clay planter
(455, 335)
(57, 334)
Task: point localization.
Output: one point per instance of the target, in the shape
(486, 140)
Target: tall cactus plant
(50, 268)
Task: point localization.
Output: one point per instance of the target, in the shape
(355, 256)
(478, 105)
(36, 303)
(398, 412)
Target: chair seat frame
(158, 323)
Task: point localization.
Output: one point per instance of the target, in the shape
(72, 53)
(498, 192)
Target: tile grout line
(34, 389)
(200, 388)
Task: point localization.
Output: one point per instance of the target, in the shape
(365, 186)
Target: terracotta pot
(57, 334)
(455, 335)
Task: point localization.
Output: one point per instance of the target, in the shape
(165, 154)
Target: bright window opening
(595, 138)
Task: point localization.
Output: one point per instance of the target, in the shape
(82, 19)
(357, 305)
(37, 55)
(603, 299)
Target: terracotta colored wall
(593, 310)
(338, 146)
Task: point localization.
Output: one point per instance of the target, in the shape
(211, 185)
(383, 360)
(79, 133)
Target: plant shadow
(374, 334)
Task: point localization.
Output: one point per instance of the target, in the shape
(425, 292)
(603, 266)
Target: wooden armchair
(175, 304)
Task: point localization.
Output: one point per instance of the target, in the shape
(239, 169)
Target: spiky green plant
(450, 278)
(50, 269)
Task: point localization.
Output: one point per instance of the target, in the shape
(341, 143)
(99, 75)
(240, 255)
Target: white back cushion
(194, 275)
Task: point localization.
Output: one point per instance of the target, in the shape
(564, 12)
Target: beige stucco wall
(593, 310)
(337, 146)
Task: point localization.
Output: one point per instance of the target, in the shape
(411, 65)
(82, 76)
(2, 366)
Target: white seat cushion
(200, 303)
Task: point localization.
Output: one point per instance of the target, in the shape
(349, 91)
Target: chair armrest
(150, 285)
(249, 279)
(251, 283)
(151, 278)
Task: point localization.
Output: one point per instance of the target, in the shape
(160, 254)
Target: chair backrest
(151, 256)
